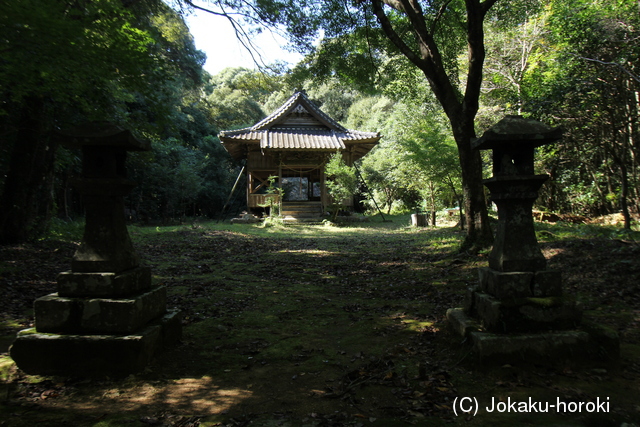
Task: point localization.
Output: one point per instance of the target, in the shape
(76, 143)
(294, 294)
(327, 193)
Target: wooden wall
(257, 161)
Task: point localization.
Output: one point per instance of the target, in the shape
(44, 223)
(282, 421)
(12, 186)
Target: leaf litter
(329, 330)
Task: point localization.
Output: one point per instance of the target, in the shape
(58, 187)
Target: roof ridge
(298, 98)
(319, 111)
(275, 114)
(234, 131)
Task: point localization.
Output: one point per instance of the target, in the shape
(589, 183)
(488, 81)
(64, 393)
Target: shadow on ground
(324, 327)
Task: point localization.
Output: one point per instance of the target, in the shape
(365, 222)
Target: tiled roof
(245, 134)
(301, 138)
(312, 139)
(297, 125)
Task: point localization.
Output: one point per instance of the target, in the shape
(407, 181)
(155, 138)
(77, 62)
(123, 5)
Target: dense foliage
(65, 63)
(568, 63)
(342, 181)
(590, 84)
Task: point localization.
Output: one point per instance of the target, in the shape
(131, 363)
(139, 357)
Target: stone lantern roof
(513, 141)
(516, 129)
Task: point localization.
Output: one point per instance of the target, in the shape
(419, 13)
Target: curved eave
(238, 146)
(236, 142)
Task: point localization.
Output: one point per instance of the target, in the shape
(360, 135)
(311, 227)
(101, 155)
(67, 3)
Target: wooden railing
(256, 200)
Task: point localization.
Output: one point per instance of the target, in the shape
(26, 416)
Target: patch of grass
(66, 231)
(10, 324)
(6, 367)
(562, 231)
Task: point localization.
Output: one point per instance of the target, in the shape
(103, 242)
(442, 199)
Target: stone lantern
(107, 317)
(514, 188)
(518, 309)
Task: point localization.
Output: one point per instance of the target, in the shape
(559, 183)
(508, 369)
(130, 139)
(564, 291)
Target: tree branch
(394, 4)
(486, 5)
(476, 12)
(393, 35)
(429, 61)
(416, 17)
(614, 64)
(370, 50)
(241, 35)
(439, 15)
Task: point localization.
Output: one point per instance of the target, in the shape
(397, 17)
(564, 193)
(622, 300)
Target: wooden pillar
(249, 185)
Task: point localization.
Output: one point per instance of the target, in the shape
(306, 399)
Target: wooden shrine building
(294, 143)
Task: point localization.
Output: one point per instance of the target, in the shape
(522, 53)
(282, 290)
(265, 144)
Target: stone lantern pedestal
(106, 318)
(518, 310)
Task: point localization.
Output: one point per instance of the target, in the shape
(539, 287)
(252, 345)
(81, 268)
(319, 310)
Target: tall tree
(417, 159)
(429, 34)
(65, 62)
(509, 56)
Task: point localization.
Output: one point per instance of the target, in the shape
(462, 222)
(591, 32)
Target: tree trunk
(623, 197)
(461, 110)
(479, 233)
(25, 190)
(432, 200)
(458, 200)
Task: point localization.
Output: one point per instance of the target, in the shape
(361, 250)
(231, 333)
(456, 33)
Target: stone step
(292, 211)
(289, 220)
(302, 207)
(307, 211)
(288, 209)
(301, 219)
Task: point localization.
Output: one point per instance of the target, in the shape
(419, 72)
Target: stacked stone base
(98, 324)
(94, 355)
(587, 343)
(523, 316)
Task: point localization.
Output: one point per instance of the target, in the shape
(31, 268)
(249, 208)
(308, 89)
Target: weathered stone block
(564, 315)
(543, 347)
(460, 322)
(112, 285)
(90, 355)
(526, 314)
(117, 316)
(488, 310)
(509, 285)
(483, 278)
(547, 283)
(105, 245)
(55, 314)
(469, 299)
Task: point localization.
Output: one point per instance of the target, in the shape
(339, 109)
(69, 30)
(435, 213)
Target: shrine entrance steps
(301, 212)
